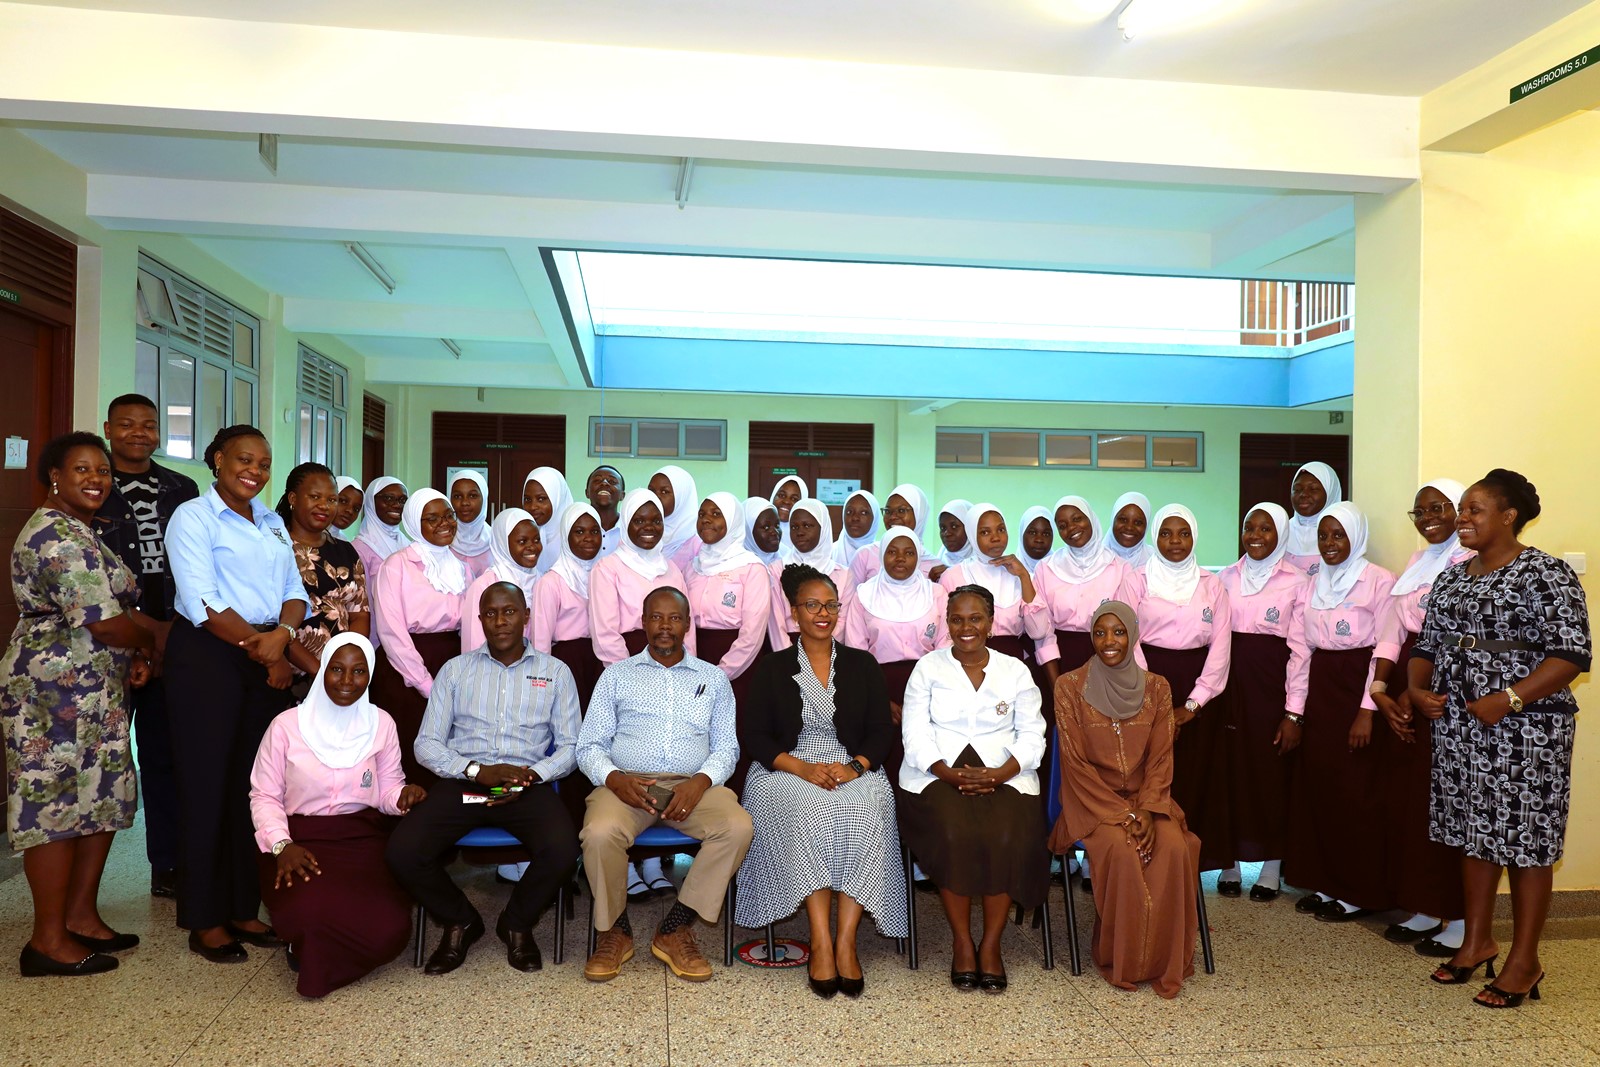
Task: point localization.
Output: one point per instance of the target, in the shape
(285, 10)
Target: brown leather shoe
(612, 949)
(679, 951)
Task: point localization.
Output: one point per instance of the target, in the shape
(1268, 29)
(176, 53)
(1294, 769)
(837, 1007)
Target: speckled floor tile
(1547, 1052)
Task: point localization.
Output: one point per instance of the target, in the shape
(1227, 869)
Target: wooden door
(1267, 462)
(827, 455)
(505, 447)
(374, 423)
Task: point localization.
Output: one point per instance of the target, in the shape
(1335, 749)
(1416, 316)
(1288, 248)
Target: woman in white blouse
(974, 737)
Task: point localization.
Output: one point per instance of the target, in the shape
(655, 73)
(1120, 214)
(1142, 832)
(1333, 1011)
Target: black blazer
(861, 706)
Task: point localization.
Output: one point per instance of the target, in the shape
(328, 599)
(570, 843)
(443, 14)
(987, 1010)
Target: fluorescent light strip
(374, 268)
(455, 349)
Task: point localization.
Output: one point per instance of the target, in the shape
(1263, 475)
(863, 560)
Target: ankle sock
(636, 882)
(650, 870)
(1270, 878)
(1454, 932)
(513, 871)
(1348, 908)
(1230, 874)
(1083, 864)
(1420, 921)
(680, 916)
(623, 924)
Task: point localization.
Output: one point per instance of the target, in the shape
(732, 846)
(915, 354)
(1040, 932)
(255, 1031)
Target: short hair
(978, 591)
(512, 587)
(54, 452)
(292, 483)
(1512, 490)
(674, 590)
(796, 575)
(128, 400)
(226, 434)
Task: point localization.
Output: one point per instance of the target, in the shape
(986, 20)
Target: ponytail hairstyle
(1512, 490)
(796, 575)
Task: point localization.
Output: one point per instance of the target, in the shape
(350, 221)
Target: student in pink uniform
(1038, 537)
(955, 547)
(1187, 639)
(380, 536)
(418, 615)
(348, 496)
(1073, 582)
(469, 494)
(1266, 593)
(863, 522)
(1313, 490)
(1424, 876)
(905, 506)
(764, 538)
(811, 543)
(1020, 618)
(1130, 528)
(620, 582)
(546, 496)
(514, 551)
(680, 504)
(898, 614)
(789, 491)
(1336, 842)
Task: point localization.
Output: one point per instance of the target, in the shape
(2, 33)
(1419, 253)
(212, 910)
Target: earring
(54, 489)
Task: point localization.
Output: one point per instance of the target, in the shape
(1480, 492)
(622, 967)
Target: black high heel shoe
(1509, 1000)
(823, 987)
(966, 981)
(852, 987)
(992, 983)
(1463, 974)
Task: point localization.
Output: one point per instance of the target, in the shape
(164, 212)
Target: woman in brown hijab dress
(1115, 729)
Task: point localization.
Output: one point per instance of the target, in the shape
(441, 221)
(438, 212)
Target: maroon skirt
(635, 641)
(1075, 649)
(353, 917)
(578, 654)
(404, 704)
(1200, 756)
(895, 676)
(1424, 876)
(1336, 832)
(1253, 707)
(711, 646)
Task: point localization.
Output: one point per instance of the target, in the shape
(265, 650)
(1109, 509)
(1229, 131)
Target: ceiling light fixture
(455, 349)
(1128, 21)
(374, 268)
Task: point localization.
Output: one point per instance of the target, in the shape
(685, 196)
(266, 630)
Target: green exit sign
(8, 295)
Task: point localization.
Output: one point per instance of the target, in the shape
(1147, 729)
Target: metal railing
(1285, 314)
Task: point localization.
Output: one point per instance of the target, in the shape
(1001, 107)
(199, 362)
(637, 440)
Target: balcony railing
(1285, 314)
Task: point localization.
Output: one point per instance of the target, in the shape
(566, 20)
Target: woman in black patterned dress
(1506, 634)
(331, 569)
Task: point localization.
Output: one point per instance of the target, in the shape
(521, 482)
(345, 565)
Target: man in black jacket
(133, 524)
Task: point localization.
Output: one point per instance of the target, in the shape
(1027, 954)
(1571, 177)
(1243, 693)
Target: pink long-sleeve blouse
(616, 605)
(1403, 614)
(1203, 621)
(1273, 611)
(559, 614)
(1029, 619)
(288, 779)
(892, 642)
(738, 599)
(1353, 624)
(407, 604)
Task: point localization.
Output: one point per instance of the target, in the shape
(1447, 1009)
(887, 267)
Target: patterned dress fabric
(1501, 792)
(64, 706)
(336, 582)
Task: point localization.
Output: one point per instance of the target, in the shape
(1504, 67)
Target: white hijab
(376, 534)
(505, 568)
(754, 508)
(1434, 558)
(554, 484)
(845, 549)
(919, 514)
(1078, 566)
(1006, 587)
(784, 547)
(1164, 579)
(1035, 512)
(443, 568)
(959, 509)
(820, 557)
(1303, 531)
(1333, 584)
(472, 538)
(730, 552)
(1134, 557)
(340, 484)
(647, 563)
(892, 599)
(339, 737)
(678, 527)
(574, 571)
(1254, 573)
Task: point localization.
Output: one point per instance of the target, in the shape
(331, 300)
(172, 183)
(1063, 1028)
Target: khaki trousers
(610, 826)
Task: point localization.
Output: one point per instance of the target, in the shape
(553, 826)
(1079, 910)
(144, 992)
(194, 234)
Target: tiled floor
(1287, 991)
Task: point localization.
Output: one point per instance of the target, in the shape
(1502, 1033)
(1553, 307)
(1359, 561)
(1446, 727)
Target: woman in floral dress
(335, 580)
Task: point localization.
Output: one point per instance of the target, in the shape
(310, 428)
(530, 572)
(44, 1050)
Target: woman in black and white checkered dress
(817, 727)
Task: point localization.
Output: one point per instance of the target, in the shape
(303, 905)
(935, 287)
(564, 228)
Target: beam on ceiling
(372, 318)
(1277, 229)
(535, 281)
(466, 373)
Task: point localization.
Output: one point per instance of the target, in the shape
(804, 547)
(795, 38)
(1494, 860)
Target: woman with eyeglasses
(418, 612)
(906, 506)
(818, 731)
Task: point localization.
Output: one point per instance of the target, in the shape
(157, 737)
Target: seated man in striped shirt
(501, 725)
(658, 743)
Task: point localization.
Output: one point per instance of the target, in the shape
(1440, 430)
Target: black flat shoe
(1434, 950)
(992, 983)
(522, 952)
(1309, 904)
(1508, 1000)
(35, 964)
(230, 952)
(852, 987)
(1405, 935)
(294, 961)
(267, 938)
(1263, 894)
(115, 943)
(1462, 975)
(966, 981)
(453, 946)
(1229, 888)
(823, 987)
(1334, 913)
(1086, 885)
(164, 884)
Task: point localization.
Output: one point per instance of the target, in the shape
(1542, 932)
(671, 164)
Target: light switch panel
(1578, 561)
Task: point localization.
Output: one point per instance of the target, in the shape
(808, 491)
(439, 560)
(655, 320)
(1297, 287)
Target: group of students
(1276, 670)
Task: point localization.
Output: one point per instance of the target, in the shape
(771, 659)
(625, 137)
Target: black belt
(1469, 642)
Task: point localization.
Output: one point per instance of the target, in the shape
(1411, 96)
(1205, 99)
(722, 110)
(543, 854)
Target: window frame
(328, 419)
(1093, 436)
(632, 422)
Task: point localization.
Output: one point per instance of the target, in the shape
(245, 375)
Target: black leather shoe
(453, 946)
(231, 952)
(823, 987)
(992, 983)
(1086, 885)
(852, 987)
(522, 952)
(1309, 904)
(1434, 950)
(267, 938)
(1334, 912)
(966, 981)
(115, 943)
(1404, 935)
(35, 964)
(1229, 888)
(1263, 893)
(163, 883)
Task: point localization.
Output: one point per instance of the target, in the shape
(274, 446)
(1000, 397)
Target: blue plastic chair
(659, 840)
(1075, 955)
(494, 837)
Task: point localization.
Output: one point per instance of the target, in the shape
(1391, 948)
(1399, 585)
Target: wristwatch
(279, 846)
(1192, 704)
(1292, 717)
(1516, 701)
(291, 629)
(472, 770)
(855, 765)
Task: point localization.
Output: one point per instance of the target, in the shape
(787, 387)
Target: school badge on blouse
(1205, 615)
(1342, 628)
(1273, 615)
(730, 599)
(366, 778)
(932, 629)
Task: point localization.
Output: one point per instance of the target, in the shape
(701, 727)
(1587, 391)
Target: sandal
(1463, 974)
(1508, 1000)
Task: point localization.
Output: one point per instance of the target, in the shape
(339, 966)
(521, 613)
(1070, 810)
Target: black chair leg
(563, 902)
(1074, 953)
(911, 909)
(594, 938)
(422, 932)
(1205, 929)
(772, 945)
(727, 926)
(1049, 941)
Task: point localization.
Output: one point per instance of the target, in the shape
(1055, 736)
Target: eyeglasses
(448, 516)
(890, 513)
(1432, 511)
(814, 606)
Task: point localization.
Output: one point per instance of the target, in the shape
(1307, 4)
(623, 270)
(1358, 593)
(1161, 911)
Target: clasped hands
(505, 775)
(1139, 826)
(267, 649)
(1488, 710)
(976, 781)
(633, 790)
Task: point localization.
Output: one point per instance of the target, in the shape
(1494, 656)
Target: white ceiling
(1392, 47)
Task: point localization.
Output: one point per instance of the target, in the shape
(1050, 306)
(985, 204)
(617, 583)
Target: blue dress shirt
(651, 719)
(222, 560)
(483, 711)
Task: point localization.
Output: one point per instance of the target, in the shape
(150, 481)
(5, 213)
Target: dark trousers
(219, 705)
(158, 785)
(427, 835)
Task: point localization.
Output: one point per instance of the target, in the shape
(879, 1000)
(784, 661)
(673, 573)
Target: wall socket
(1578, 561)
